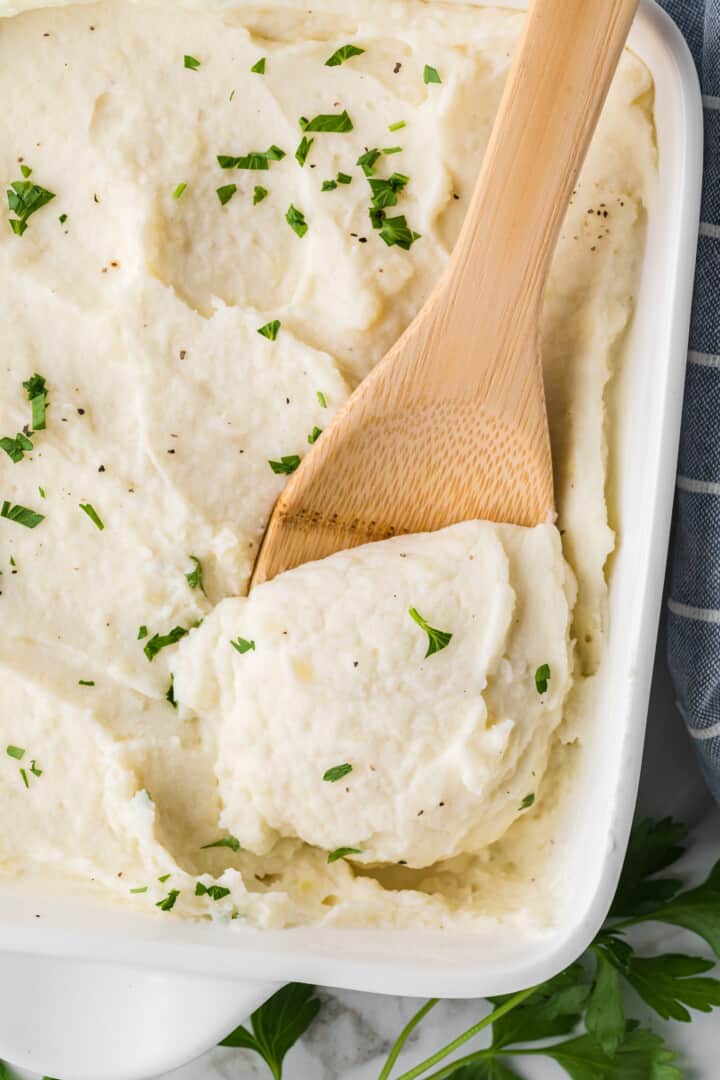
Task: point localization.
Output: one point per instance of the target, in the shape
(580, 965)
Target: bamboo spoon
(451, 425)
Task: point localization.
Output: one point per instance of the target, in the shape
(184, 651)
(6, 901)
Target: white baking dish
(99, 993)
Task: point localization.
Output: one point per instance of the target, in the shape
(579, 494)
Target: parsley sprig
(25, 199)
(277, 1025)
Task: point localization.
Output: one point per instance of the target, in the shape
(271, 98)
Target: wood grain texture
(451, 425)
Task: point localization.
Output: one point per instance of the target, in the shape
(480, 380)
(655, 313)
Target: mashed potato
(192, 286)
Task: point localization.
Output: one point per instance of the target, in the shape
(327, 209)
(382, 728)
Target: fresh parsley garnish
(92, 513)
(177, 193)
(286, 465)
(36, 388)
(314, 435)
(338, 772)
(342, 853)
(86, 682)
(169, 902)
(259, 194)
(63, 218)
(385, 192)
(344, 178)
(142, 633)
(25, 199)
(34, 768)
(259, 67)
(170, 693)
(528, 801)
(21, 515)
(256, 160)
(164, 877)
(215, 892)
(194, 577)
(277, 1025)
(329, 185)
(17, 752)
(296, 220)
(542, 678)
(270, 330)
(26, 171)
(322, 399)
(301, 154)
(397, 126)
(191, 63)
(225, 193)
(368, 160)
(140, 889)
(242, 645)
(16, 448)
(431, 75)
(437, 639)
(397, 233)
(162, 641)
(332, 122)
(227, 842)
(345, 52)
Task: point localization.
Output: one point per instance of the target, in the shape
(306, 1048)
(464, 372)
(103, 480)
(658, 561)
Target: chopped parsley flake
(270, 330)
(170, 694)
(177, 193)
(398, 126)
(437, 639)
(242, 645)
(329, 185)
(16, 752)
(314, 435)
(344, 178)
(227, 842)
(16, 448)
(169, 902)
(191, 63)
(392, 150)
(142, 633)
(63, 218)
(194, 577)
(286, 465)
(161, 641)
(542, 678)
(396, 232)
(226, 193)
(26, 171)
(342, 853)
(24, 776)
(338, 772)
(21, 515)
(303, 150)
(141, 889)
(332, 122)
(367, 161)
(36, 387)
(322, 399)
(527, 802)
(431, 75)
(25, 199)
(385, 192)
(215, 892)
(296, 220)
(259, 194)
(256, 160)
(92, 513)
(345, 52)
(259, 67)
(34, 768)
(164, 878)
(42, 492)
(86, 682)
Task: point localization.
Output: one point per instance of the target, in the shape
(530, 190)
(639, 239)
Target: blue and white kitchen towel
(694, 604)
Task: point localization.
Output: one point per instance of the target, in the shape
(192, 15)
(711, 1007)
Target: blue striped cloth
(694, 603)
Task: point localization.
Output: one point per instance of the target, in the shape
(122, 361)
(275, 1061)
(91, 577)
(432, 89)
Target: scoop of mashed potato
(338, 724)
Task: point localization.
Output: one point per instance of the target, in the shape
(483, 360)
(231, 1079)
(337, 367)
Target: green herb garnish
(286, 465)
(437, 639)
(368, 160)
(92, 513)
(296, 220)
(169, 902)
(36, 387)
(256, 160)
(163, 878)
(330, 122)
(24, 776)
(430, 75)
(314, 435)
(86, 682)
(397, 126)
(141, 889)
(161, 641)
(322, 399)
(63, 218)
(385, 192)
(226, 842)
(21, 515)
(16, 752)
(259, 67)
(542, 678)
(25, 199)
(215, 892)
(242, 645)
(329, 185)
(345, 52)
(259, 194)
(527, 802)
(277, 1025)
(26, 171)
(303, 150)
(177, 193)
(34, 768)
(344, 178)
(170, 693)
(16, 448)
(397, 233)
(225, 193)
(270, 330)
(191, 63)
(338, 772)
(342, 853)
(142, 633)
(194, 577)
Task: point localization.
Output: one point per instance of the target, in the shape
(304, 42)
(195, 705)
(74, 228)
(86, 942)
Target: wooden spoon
(451, 425)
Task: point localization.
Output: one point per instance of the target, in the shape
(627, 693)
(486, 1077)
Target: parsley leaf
(242, 645)
(322, 399)
(642, 1054)
(225, 193)
(170, 695)
(654, 845)
(161, 641)
(270, 330)
(177, 193)
(277, 1025)
(226, 842)
(215, 892)
(86, 682)
(344, 178)
(342, 853)
(286, 465)
(191, 63)
(303, 150)
(25, 199)
(605, 1016)
(398, 126)
(697, 910)
(36, 387)
(338, 772)
(21, 514)
(553, 1009)
(437, 639)
(396, 232)
(329, 185)
(195, 577)
(259, 67)
(542, 678)
(296, 220)
(92, 513)
(16, 448)
(256, 160)
(332, 122)
(169, 902)
(345, 52)
(367, 161)
(430, 75)
(142, 633)
(259, 194)
(385, 192)
(16, 752)
(527, 802)
(314, 435)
